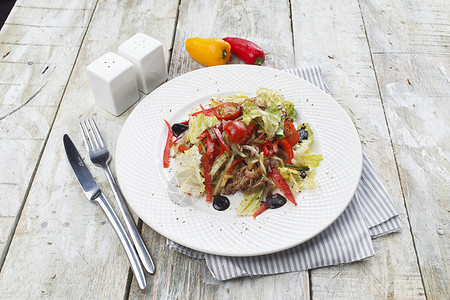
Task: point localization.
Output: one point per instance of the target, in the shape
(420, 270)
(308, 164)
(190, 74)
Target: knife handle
(141, 249)
(126, 242)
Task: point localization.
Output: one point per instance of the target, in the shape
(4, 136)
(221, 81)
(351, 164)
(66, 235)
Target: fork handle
(141, 249)
(123, 237)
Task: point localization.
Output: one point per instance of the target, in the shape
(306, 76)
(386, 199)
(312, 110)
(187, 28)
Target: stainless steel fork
(101, 157)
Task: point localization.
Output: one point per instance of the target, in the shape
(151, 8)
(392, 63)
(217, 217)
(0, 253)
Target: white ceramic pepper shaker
(113, 83)
(147, 56)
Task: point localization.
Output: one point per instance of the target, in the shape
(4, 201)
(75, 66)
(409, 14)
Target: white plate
(150, 191)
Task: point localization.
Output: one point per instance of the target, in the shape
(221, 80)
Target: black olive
(303, 134)
(221, 202)
(275, 200)
(303, 174)
(179, 128)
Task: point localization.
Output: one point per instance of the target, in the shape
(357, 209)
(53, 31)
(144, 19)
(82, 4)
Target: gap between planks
(20, 210)
(44, 26)
(392, 145)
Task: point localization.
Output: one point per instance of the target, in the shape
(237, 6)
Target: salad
(243, 144)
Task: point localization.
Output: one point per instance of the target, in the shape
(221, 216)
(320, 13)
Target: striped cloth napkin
(370, 214)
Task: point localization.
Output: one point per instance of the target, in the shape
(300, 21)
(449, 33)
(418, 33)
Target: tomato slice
(236, 132)
(227, 111)
(290, 133)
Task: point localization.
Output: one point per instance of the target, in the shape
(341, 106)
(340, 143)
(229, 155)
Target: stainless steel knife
(93, 193)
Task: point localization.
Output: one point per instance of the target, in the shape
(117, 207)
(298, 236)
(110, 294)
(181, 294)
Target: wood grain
(340, 47)
(63, 245)
(386, 63)
(36, 59)
(410, 54)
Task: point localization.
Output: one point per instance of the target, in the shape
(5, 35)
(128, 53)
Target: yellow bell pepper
(209, 52)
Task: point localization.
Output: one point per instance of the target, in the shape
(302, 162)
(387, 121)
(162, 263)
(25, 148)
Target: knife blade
(94, 193)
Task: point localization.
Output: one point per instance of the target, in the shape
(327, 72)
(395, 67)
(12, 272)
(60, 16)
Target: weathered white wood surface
(36, 59)
(410, 43)
(342, 50)
(387, 63)
(63, 245)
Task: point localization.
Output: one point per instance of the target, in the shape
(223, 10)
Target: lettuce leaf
(198, 124)
(237, 98)
(299, 184)
(251, 203)
(311, 159)
(188, 174)
(271, 117)
(274, 97)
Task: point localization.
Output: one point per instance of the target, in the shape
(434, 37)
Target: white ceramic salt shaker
(147, 56)
(113, 83)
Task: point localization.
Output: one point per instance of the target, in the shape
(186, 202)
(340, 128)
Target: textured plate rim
(182, 82)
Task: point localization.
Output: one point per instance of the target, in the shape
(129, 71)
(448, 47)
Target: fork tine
(85, 132)
(98, 134)
(92, 135)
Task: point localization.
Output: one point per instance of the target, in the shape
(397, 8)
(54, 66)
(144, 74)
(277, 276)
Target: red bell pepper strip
(209, 144)
(220, 139)
(207, 174)
(183, 148)
(166, 155)
(250, 128)
(202, 135)
(235, 163)
(288, 149)
(248, 51)
(281, 184)
(265, 149)
(261, 209)
(275, 146)
(206, 112)
(290, 133)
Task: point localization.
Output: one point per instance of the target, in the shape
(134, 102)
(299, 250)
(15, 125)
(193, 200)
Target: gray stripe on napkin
(370, 214)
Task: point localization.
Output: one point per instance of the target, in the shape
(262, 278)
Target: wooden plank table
(387, 63)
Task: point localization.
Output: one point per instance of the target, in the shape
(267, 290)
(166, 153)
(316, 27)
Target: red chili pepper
(221, 140)
(261, 209)
(281, 184)
(207, 174)
(235, 163)
(288, 149)
(246, 50)
(166, 155)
